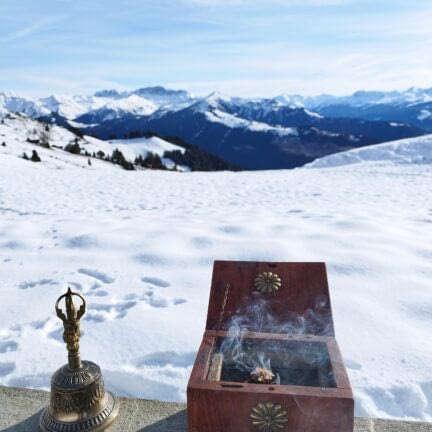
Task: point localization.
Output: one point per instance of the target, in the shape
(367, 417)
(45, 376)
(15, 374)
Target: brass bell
(79, 401)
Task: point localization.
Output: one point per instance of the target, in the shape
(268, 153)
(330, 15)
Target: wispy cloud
(253, 47)
(32, 28)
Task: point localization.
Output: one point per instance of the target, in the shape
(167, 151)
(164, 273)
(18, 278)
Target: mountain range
(266, 133)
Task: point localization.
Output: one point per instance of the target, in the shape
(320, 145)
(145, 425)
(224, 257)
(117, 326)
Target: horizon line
(176, 87)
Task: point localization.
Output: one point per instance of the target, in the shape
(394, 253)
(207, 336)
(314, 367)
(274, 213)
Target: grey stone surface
(20, 410)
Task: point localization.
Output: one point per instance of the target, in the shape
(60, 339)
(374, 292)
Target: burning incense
(262, 376)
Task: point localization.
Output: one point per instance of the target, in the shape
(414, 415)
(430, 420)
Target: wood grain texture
(223, 406)
(304, 291)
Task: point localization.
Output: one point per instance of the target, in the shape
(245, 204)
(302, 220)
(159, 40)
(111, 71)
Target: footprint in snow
(32, 284)
(157, 301)
(6, 368)
(98, 293)
(100, 311)
(81, 242)
(96, 274)
(156, 281)
(75, 285)
(8, 346)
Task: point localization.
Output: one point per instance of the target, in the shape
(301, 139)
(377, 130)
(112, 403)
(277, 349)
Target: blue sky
(239, 47)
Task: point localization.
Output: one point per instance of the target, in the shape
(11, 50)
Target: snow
(139, 102)
(116, 108)
(362, 98)
(214, 101)
(134, 147)
(16, 129)
(141, 146)
(407, 151)
(313, 114)
(294, 101)
(424, 114)
(233, 121)
(70, 107)
(139, 245)
(11, 102)
(134, 104)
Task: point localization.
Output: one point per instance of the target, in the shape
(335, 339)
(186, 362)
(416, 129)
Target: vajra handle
(71, 324)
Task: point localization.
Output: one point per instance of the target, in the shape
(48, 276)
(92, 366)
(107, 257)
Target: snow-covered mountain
(102, 106)
(132, 105)
(256, 134)
(280, 132)
(413, 106)
(359, 98)
(159, 97)
(408, 151)
(223, 109)
(21, 135)
(32, 108)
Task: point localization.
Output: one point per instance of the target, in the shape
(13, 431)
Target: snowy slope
(216, 105)
(30, 107)
(233, 121)
(142, 146)
(135, 146)
(140, 246)
(19, 133)
(407, 151)
(17, 130)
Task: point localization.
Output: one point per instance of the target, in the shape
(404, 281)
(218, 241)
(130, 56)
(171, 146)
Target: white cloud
(324, 71)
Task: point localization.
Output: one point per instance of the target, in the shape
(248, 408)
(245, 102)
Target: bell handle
(81, 310)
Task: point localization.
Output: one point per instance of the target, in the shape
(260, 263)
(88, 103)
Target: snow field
(407, 151)
(140, 246)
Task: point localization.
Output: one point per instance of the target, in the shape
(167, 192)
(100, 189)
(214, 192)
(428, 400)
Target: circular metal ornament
(96, 422)
(268, 282)
(269, 417)
(79, 401)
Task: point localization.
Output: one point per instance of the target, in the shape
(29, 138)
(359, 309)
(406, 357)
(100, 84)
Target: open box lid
(270, 297)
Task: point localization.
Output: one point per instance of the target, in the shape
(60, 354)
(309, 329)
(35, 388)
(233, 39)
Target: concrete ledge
(20, 410)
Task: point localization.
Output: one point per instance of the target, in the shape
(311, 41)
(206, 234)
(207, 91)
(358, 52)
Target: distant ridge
(286, 131)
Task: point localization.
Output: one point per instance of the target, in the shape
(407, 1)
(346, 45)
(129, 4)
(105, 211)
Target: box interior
(298, 363)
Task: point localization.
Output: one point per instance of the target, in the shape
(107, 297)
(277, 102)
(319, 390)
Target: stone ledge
(20, 410)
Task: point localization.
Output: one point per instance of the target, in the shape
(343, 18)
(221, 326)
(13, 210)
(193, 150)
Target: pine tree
(118, 159)
(35, 157)
(73, 148)
(153, 161)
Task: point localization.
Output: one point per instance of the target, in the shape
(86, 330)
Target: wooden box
(276, 315)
